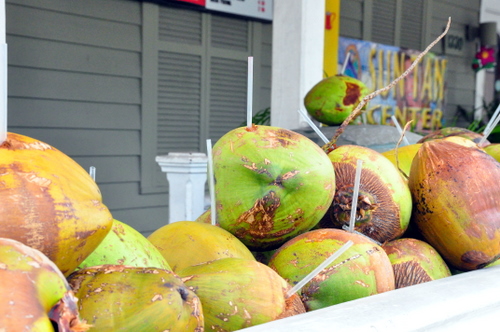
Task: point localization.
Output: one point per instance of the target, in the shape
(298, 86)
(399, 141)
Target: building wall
(415, 24)
(78, 81)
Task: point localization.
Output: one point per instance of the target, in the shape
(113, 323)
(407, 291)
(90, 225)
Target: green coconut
(332, 99)
(415, 262)
(125, 298)
(364, 269)
(237, 293)
(384, 201)
(493, 150)
(456, 201)
(187, 243)
(271, 184)
(125, 246)
(35, 295)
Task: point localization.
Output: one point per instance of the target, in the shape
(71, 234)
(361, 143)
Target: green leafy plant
(262, 117)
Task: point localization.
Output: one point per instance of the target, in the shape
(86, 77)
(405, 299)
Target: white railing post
(186, 174)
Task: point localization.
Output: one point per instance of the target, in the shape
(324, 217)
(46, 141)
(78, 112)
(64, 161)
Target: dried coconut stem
(331, 145)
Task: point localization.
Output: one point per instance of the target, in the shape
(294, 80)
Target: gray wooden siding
(76, 81)
(415, 24)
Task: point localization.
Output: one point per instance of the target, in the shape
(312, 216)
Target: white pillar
(297, 61)
(186, 175)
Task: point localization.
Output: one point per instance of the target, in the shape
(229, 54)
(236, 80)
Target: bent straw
(401, 132)
(213, 211)
(313, 126)
(249, 91)
(317, 270)
(354, 204)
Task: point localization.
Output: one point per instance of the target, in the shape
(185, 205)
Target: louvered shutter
(179, 81)
(229, 49)
(179, 100)
(227, 96)
(412, 19)
(199, 74)
(384, 21)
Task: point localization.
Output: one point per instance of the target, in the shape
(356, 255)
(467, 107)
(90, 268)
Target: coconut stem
(331, 145)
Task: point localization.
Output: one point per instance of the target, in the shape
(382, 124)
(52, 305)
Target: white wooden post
(186, 174)
(297, 62)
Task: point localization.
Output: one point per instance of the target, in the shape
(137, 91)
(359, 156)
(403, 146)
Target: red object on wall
(328, 21)
(196, 2)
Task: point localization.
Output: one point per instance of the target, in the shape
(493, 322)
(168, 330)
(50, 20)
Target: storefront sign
(261, 9)
(419, 97)
(196, 2)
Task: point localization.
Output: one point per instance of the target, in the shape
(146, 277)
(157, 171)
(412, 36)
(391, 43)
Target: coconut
(384, 200)
(49, 202)
(126, 298)
(35, 294)
(415, 262)
(186, 243)
(362, 270)
(237, 293)
(271, 184)
(454, 132)
(457, 201)
(402, 157)
(125, 246)
(332, 99)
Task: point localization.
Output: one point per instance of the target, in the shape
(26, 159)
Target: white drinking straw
(213, 211)
(92, 172)
(355, 193)
(3, 75)
(346, 61)
(488, 132)
(320, 267)
(313, 126)
(249, 91)
(398, 127)
(492, 119)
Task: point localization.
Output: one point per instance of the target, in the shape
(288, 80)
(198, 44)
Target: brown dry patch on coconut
(410, 273)
(280, 138)
(293, 306)
(476, 258)
(260, 217)
(352, 94)
(20, 142)
(377, 214)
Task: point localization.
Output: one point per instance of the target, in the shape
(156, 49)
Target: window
(194, 81)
